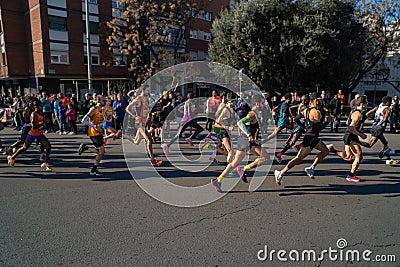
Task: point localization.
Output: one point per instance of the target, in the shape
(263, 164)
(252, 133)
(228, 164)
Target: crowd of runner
(250, 116)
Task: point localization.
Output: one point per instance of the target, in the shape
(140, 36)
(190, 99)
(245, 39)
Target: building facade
(43, 45)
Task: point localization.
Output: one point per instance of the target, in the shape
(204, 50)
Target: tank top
(359, 123)
(311, 126)
(37, 121)
(379, 115)
(228, 121)
(143, 113)
(96, 119)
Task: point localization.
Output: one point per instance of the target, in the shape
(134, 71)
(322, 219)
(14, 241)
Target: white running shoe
(310, 172)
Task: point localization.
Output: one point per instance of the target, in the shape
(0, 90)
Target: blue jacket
(120, 111)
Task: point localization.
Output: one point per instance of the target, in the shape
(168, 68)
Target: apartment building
(43, 46)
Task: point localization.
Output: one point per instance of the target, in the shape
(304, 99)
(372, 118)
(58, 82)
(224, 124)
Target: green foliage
(286, 44)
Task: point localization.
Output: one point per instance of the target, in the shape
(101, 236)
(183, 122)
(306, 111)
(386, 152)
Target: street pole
(88, 51)
(240, 81)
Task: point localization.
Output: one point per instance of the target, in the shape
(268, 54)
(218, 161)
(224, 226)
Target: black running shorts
(98, 140)
(349, 139)
(310, 141)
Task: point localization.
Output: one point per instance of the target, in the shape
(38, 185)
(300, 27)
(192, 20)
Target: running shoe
(212, 157)
(96, 172)
(352, 178)
(330, 147)
(278, 177)
(118, 135)
(206, 146)
(14, 150)
(244, 176)
(392, 162)
(11, 161)
(384, 152)
(46, 167)
(189, 141)
(216, 184)
(156, 163)
(82, 148)
(278, 157)
(42, 158)
(310, 172)
(239, 171)
(165, 148)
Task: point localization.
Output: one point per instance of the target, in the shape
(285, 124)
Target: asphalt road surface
(68, 217)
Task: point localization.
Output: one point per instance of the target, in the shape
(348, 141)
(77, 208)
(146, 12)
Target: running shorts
(282, 122)
(98, 140)
(107, 124)
(244, 145)
(223, 133)
(32, 138)
(310, 141)
(350, 138)
(377, 130)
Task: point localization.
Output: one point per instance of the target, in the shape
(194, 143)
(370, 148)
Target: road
(68, 217)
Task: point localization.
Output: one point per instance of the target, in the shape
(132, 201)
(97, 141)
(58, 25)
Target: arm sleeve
(85, 121)
(298, 118)
(242, 126)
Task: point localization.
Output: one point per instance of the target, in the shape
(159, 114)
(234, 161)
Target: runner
(109, 131)
(211, 108)
(139, 109)
(250, 127)
(187, 121)
(311, 140)
(298, 131)
(35, 133)
(382, 115)
(28, 109)
(352, 144)
(224, 122)
(284, 116)
(94, 119)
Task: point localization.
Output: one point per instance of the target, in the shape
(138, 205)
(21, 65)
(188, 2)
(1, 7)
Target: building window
(93, 27)
(59, 57)
(207, 16)
(57, 23)
(118, 5)
(91, 1)
(119, 59)
(194, 34)
(207, 36)
(3, 56)
(95, 60)
(193, 55)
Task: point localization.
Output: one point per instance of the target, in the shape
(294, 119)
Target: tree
(381, 20)
(282, 43)
(141, 29)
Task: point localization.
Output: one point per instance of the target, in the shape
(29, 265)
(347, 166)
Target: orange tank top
(37, 122)
(96, 119)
